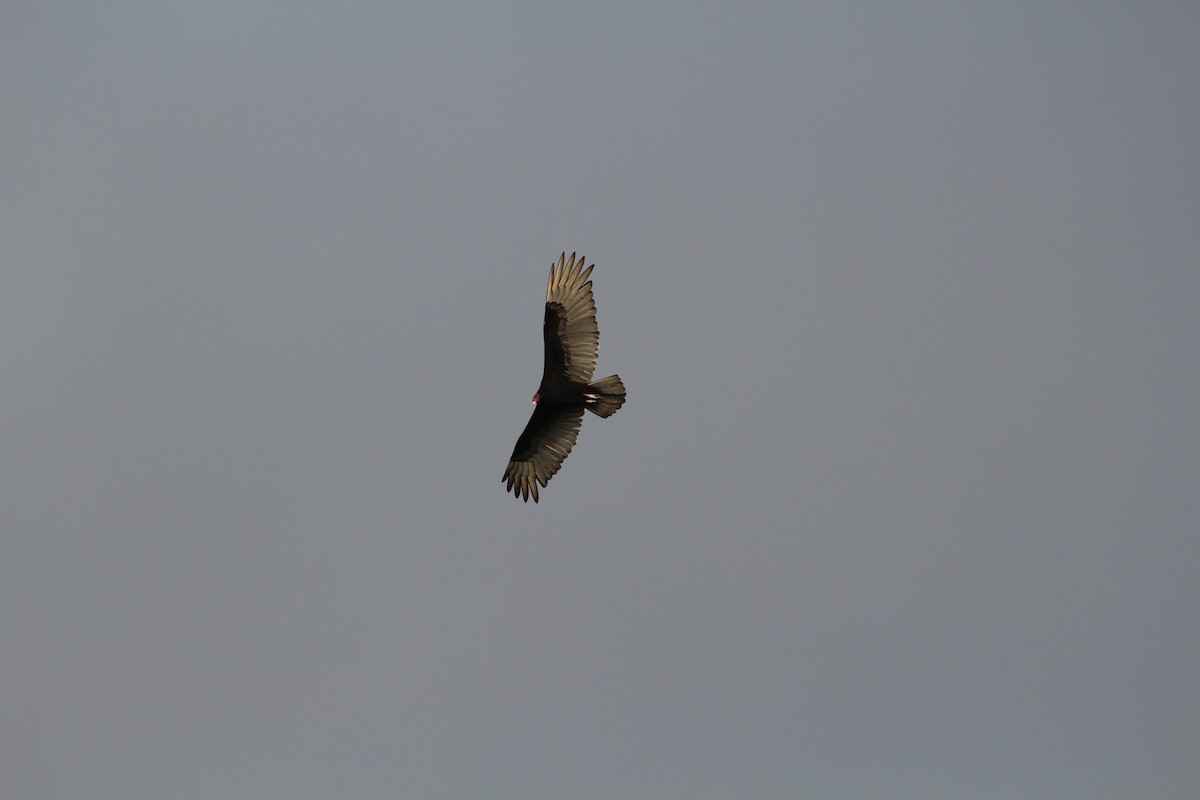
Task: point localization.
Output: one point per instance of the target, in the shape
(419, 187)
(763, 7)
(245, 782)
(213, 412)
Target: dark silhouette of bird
(572, 341)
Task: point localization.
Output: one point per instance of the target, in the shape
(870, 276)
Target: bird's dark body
(558, 392)
(571, 339)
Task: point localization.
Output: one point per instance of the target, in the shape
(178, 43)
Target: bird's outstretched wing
(572, 337)
(545, 442)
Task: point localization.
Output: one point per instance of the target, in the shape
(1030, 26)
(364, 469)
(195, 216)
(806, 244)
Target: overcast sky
(904, 502)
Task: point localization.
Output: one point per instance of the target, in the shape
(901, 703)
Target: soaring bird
(572, 340)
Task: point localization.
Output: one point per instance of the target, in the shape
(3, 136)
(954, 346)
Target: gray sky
(904, 501)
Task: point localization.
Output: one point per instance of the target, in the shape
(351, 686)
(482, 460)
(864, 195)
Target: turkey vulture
(572, 341)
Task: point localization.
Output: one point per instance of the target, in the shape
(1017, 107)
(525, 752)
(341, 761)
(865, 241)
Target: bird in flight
(572, 340)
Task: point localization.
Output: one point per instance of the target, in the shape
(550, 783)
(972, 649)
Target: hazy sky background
(904, 502)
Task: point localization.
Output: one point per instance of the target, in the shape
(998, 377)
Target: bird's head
(537, 398)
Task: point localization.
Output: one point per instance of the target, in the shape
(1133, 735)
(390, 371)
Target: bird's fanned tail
(610, 396)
